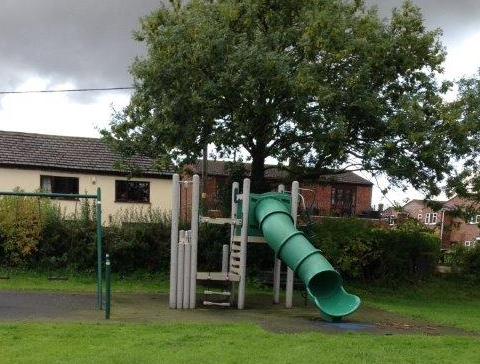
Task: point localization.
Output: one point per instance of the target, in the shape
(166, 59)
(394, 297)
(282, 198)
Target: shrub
(466, 262)
(21, 225)
(358, 249)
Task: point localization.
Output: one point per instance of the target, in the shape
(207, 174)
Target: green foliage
(360, 250)
(318, 84)
(22, 220)
(466, 262)
(139, 239)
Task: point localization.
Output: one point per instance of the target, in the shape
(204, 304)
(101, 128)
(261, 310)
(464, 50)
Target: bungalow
(63, 164)
(343, 194)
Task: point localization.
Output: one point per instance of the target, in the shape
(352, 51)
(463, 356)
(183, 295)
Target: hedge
(37, 234)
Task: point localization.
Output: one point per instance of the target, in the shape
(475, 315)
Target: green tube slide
(324, 284)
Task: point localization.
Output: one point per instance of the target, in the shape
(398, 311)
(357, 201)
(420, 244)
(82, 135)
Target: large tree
(320, 85)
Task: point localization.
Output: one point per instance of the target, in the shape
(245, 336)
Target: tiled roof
(218, 168)
(26, 150)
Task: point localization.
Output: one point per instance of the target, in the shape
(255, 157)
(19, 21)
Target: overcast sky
(54, 44)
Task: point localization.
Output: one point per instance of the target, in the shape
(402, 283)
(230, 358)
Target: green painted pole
(46, 195)
(107, 287)
(99, 247)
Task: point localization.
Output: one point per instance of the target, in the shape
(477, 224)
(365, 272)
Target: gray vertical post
(174, 239)
(194, 240)
(277, 267)
(235, 187)
(225, 250)
(186, 271)
(180, 264)
(294, 211)
(243, 243)
(233, 227)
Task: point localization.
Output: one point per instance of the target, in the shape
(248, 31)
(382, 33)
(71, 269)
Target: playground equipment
(98, 214)
(255, 218)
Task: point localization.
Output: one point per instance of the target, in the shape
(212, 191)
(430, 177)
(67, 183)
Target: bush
(358, 249)
(466, 262)
(139, 239)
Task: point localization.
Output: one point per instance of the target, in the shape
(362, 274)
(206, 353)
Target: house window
(431, 218)
(419, 217)
(57, 184)
(468, 244)
(391, 220)
(132, 191)
(343, 199)
(474, 220)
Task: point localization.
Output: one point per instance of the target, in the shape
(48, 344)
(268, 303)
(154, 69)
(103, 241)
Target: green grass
(82, 282)
(445, 301)
(206, 343)
(451, 302)
(85, 282)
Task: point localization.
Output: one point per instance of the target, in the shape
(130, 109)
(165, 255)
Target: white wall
(29, 181)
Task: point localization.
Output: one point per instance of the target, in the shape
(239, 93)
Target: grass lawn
(82, 282)
(202, 343)
(446, 301)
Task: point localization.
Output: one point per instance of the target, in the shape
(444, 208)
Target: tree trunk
(257, 175)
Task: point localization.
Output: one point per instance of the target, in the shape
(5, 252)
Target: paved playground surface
(153, 308)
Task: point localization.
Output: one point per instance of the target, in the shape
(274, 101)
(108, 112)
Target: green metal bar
(107, 287)
(99, 247)
(48, 195)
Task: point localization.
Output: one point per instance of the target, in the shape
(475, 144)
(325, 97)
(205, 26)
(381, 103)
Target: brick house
(342, 194)
(451, 229)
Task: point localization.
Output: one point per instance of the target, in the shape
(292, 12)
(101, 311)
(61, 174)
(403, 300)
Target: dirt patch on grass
(153, 308)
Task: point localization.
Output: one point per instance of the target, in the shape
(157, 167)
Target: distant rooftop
(219, 168)
(66, 153)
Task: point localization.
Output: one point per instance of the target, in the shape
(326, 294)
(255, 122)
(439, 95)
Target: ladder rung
(235, 270)
(223, 304)
(225, 293)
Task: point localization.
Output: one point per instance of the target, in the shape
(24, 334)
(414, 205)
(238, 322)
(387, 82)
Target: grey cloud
(457, 19)
(90, 42)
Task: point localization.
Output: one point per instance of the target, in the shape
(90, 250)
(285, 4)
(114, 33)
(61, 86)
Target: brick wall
(319, 197)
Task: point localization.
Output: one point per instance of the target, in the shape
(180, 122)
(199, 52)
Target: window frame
(53, 185)
(392, 219)
(433, 220)
(340, 205)
(475, 220)
(129, 200)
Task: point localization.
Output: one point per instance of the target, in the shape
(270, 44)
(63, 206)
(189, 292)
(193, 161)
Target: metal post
(181, 256)
(243, 243)
(98, 214)
(174, 239)
(225, 250)
(194, 240)
(277, 268)
(294, 211)
(186, 270)
(107, 287)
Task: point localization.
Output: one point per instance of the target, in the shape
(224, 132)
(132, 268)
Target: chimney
(380, 207)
